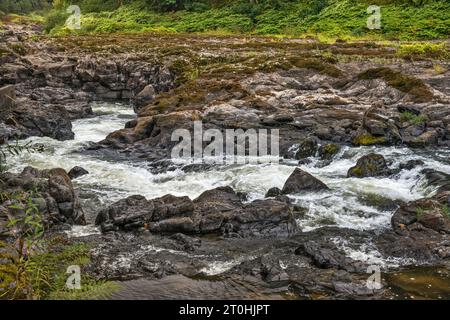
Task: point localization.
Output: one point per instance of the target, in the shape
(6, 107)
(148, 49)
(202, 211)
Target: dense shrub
(23, 6)
(400, 19)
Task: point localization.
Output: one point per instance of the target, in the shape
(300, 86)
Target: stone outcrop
(50, 88)
(300, 181)
(51, 191)
(215, 211)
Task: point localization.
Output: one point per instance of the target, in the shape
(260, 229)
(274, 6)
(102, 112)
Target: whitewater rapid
(110, 181)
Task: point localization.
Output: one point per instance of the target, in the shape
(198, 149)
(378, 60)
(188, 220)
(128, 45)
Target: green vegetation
(345, 19)
(413, 118)
(419, 212)
(33, 266)
(42, 274)
(446, 211)
(419, 50)
(14, 150)
(23, 6)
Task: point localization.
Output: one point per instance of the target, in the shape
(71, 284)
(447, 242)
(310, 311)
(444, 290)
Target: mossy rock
(380, 202)
(328, 151)
(308, 148)
(404, 83)
(367, 139)
(371, 165)
(316, 65)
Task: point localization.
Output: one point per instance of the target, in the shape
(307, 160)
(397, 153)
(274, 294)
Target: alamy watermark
(73, 22)
(73, 282)
(229, 146)
(374, 20)
(374, 280)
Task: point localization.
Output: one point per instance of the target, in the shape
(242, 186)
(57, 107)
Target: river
(346, 205)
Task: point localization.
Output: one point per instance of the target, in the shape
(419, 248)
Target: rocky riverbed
(363, 181)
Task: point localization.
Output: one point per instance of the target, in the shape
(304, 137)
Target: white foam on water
(368, 254)
(82, 231)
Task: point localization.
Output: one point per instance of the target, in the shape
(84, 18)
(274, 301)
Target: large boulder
(51, 191)
(137, 212)
(40, 120)
(218, 211)
(432, 213)
(371, 165)
(301, 181)
(420, 231)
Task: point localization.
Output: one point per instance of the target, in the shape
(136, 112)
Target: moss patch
(401, 82)
(413, 118)
(368, 140)
(317, 65)
(43, 275)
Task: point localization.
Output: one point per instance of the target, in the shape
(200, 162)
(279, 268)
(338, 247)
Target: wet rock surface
(50, 190)
(48, 89)
(218, 211)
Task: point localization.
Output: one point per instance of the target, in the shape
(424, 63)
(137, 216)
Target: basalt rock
(424, 213)
(34, 120)
(273, 192)
(137, 212)
(144, 97)
(300, 181)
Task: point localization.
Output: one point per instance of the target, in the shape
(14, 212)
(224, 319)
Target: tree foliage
(23, 6)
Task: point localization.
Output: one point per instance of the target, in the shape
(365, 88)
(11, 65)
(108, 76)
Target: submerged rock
(77, 172)
(301, 181)
(437, 179)
(273, 192)
(411, 164)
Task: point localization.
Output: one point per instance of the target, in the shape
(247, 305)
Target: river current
(345, 205)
